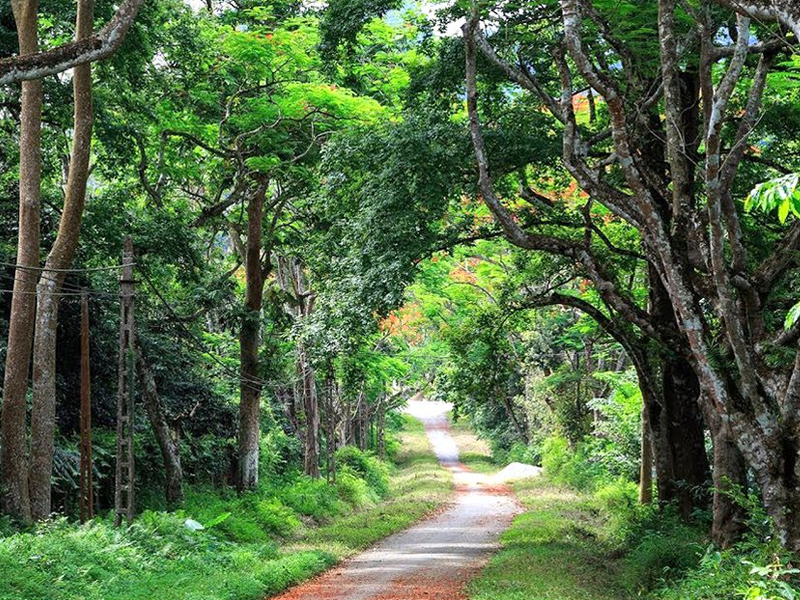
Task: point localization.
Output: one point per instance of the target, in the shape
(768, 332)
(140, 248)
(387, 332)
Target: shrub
(555, 455)
(664, 555)
(365, 466)
(311, 498)
(276, 518)
(572, 467)
(352, 489)
(278, 452)
(619, 500)
(752, 570)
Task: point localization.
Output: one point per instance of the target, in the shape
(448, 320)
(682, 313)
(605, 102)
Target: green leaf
(781, 193)
(792, 316)
(783, 210)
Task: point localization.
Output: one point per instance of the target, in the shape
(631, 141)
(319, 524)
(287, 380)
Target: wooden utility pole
(87, 483)
(124, 485)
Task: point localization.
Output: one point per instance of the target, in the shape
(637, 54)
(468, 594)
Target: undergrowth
(224, 546)
(585, 537)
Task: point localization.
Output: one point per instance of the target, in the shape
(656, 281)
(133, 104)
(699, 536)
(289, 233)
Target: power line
(49, 270)
(72, 291)
(67, 289)
(253, 383)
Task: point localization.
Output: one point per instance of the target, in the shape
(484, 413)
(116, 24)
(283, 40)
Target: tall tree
(293, 280)
(43, 416)
(679, 197)
(20, 335)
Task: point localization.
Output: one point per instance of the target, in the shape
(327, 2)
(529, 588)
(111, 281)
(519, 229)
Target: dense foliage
(576, 221)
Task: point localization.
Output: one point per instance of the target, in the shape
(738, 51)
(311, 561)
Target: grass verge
(474, 452)
(251, 547)
(554, 551)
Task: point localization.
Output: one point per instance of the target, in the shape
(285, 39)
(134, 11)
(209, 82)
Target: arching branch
(99, 46)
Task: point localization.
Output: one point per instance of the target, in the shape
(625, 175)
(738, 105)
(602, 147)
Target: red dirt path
(436, 558)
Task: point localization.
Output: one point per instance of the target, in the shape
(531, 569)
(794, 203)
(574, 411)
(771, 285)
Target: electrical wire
(71, 291)
(254, 384)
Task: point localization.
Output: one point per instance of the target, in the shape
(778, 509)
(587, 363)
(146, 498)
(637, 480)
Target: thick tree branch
(784, 11)
(99, 46)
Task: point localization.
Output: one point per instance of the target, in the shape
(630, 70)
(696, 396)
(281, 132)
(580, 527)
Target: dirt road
(434, 559)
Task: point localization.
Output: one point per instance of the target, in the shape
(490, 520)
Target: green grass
(258, 545)
(556, 550)
(474, 452)
(418, 486)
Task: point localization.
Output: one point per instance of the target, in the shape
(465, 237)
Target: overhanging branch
(99, 46)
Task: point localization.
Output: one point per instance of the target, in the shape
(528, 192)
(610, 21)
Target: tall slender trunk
(684, 423)
(13, 459)
(646, 462)
(676, 422)
(381, 430)
(311, 409)
(330, 425)
(249, 342)
(676, 434)
(294, 280)
(43, 416)
(170, 450)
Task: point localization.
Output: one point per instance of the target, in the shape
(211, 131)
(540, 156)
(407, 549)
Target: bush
(279, 451)
(311, 498)
(752, 570)
(254, 517)
(365, 466)
(519, 452)
(352, 489)
(663, 556)
(619, 500)
(276, 518)
(555, 455)
(571, 467)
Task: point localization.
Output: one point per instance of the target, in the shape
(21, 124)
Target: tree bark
(683, 423)
(294, 281)
(311, 409)
(783, 11)
(43, 413)
(331, 421)
(249, 342)
(35, 65)
(20, 329)
(381, 430)
(170, 450)
(729, 473)
(646, 463)
(695, 243)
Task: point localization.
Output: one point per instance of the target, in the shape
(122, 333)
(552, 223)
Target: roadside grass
(475, 453)
(557, 550)
(252, 546)
(418, 486)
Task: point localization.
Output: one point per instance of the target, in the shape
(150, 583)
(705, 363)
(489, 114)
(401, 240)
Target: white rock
(517, 470)
(193, 525)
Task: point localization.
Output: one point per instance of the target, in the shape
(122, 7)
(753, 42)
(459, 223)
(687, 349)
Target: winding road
(434, 559)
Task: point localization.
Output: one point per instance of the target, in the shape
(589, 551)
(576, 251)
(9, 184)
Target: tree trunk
(43, 414)
(293, 280)
(686, 433)
(170, 450)
(729, 473)
(20, 328)
(381, 429)
(249, 342)
(330, 425)
(676, 423)
(311, 409)
(646, 463)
